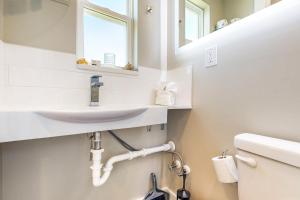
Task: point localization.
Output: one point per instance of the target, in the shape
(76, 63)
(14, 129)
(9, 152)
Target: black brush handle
(184, 180)
(154, 182)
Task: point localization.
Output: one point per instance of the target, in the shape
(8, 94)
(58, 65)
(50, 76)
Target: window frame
(128, 19)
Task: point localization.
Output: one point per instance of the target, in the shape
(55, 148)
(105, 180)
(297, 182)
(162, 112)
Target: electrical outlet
(211, 56)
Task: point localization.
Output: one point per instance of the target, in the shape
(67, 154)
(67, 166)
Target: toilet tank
(276, 174)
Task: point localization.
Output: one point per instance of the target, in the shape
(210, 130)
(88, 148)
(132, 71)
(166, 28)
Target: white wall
(1, 19)
(238, 9)
(2, 72)
(1, 174)
(149, 34)
(216, 12)
(254, 88)
(41, 23)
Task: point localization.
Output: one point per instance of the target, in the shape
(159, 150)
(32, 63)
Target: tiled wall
(37, 77)
(3, 73)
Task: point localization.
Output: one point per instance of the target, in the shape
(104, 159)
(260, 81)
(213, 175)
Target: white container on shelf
(109, 59)
(166, 94)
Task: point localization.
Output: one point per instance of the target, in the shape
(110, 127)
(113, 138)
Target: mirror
(198, 18)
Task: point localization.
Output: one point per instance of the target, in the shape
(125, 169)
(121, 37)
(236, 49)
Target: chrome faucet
(96, 83)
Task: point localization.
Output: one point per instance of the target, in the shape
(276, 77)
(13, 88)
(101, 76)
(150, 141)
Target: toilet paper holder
(247, 160)
(225, 168)
(224, 153)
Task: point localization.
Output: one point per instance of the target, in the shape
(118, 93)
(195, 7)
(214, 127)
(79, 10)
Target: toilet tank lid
(277, 149)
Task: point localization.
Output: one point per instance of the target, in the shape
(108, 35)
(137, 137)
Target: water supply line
(96, 151)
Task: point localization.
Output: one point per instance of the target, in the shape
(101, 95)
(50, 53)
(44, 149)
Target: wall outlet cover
(211, 56)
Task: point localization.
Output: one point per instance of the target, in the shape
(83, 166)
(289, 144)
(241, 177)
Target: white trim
(135, 14)
(79, 29)
(106, 11)
(164, 35)
(177, 23)
(81, 4)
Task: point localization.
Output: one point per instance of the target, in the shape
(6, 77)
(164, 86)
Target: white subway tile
(2, 95)
(1, 54)
(46, 97)
(39, 77)
(182, 76)
(33, 77)
(3, 75)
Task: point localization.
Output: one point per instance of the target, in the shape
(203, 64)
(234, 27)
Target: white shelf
(104, 69)
(179, 107)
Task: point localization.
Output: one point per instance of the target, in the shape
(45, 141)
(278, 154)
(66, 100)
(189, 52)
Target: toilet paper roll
(225, 169)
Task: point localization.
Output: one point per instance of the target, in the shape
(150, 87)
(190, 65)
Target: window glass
(103, 34)
(194, 22)
(191, 25)
(119, 6)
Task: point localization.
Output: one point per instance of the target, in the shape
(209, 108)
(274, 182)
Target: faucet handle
(95, 81)
(96, 76)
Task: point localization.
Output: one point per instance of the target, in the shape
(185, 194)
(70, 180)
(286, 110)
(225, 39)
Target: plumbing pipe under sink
(99, 180)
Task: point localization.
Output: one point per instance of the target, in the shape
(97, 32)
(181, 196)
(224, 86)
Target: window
(104, 27)
(194, 22)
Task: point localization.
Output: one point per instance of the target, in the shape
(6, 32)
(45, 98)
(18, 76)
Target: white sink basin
(93, 114)
(18, 123)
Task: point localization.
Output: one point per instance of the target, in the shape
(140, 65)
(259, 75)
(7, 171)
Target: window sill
(108, 70)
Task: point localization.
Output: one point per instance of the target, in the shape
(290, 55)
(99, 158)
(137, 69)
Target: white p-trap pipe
(99, 180)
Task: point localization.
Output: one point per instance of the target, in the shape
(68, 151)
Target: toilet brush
(183, 194)
(155, 193)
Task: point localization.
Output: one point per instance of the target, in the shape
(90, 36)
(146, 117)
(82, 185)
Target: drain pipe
(99, 180)
(96, 152)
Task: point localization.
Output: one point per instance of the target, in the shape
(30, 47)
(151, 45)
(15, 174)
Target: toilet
(268, 168)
